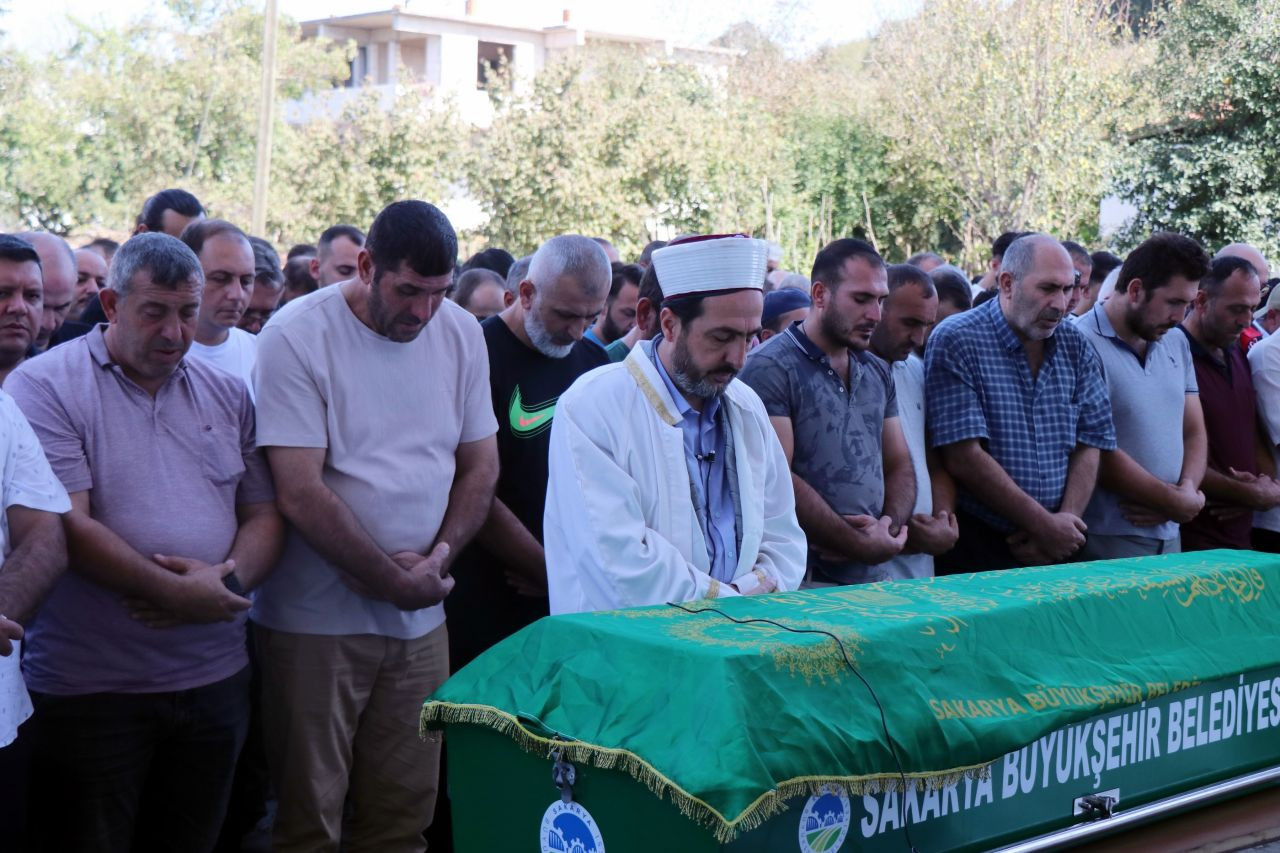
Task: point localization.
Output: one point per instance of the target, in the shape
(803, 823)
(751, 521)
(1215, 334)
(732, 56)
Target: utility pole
(262, 167)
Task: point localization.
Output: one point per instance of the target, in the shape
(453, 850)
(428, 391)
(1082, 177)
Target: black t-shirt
(526, 386)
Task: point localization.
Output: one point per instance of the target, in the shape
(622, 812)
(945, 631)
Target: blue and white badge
(824, 823)
(569, 828)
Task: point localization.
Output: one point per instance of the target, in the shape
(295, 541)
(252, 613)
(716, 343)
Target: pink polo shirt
(165, 474)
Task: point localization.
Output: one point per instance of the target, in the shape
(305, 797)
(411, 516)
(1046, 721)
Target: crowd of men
(241, 495)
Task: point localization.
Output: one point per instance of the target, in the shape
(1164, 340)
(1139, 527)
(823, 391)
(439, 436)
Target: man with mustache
(375, 414)
(21, 301)
(1018, 407)
(834, 406)
(1150, 483)
(1239, 479)
(137, 663)
(536, 350)
(226, 256)
(667, 481)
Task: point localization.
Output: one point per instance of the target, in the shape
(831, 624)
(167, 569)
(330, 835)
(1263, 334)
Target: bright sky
(802, 25)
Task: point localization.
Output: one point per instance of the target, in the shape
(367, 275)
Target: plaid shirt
(978, 385)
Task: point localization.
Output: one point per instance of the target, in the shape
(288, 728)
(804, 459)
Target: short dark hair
(831, 260)
(1103, 264)
(901, 275)
(624, 274)
(498, 260)
(471, 280)
(650, 287)
(333, 232)
(953, 286)
(986, 296)
(1002, 243)
(415, 234)
(686, 308)
(1220, 269)
(18, 251)
(201, 231)
(1162, 256)
(1077, 252)
(646, 254)
(106, 244)
(300, 250)
(179, 201)
(266, 263)
(298, 277)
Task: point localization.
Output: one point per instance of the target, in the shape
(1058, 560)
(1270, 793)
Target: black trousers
(980, 548)
(122, 772)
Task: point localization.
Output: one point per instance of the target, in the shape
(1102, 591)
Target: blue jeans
(120, 772)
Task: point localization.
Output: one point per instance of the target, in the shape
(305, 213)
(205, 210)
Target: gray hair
(571, 255)
(517, 274)
(795, 281)
(1020, 258)
(170, 262)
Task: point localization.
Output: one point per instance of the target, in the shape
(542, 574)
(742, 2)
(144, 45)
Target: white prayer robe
(620, 528)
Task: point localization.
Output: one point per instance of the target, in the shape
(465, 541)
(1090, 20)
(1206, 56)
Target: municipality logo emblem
(569, 828)
(824, 823)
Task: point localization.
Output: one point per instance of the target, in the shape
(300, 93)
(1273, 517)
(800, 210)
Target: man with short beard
(536, 351)
(619, 314)
(374, 410)
(1018, 408)
(835, 409)
(1150, 483)
(667, 481)
(1236, 483)
(91, 276)
(648, 302)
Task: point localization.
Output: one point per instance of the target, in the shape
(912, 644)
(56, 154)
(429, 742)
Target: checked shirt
(978, 385)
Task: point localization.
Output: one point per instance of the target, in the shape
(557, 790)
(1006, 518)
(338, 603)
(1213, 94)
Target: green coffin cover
(732, 720)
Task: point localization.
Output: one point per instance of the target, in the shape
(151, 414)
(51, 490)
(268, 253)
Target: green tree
(125, 111)
(1211, 167)
(1011, 105)
(619, 144)
(345, 168)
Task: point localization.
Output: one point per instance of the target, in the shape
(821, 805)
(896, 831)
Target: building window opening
(492, 61)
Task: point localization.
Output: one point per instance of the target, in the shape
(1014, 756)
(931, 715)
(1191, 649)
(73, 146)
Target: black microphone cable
(844, 653)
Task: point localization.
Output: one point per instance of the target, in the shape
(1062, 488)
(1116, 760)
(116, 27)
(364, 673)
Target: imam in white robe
(620, 528)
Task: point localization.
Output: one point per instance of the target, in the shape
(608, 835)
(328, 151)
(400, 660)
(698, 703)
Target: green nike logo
(527, 423)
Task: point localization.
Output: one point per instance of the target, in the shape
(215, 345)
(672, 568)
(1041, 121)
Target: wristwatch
(232, 583)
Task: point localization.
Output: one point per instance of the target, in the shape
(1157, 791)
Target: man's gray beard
(682, 374)
(541, 338)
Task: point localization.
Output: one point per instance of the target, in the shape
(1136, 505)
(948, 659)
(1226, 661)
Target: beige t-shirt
(391, 416)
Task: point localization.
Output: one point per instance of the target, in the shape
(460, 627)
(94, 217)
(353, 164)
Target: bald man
(1019, 412)
(91, 276)
(58, 264)
(1264, 322)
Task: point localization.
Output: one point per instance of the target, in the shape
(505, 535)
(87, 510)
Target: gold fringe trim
(767, 805)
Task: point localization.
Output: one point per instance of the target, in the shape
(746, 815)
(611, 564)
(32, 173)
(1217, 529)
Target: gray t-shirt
(1148, 398)
(390, 416)
(838, 431)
